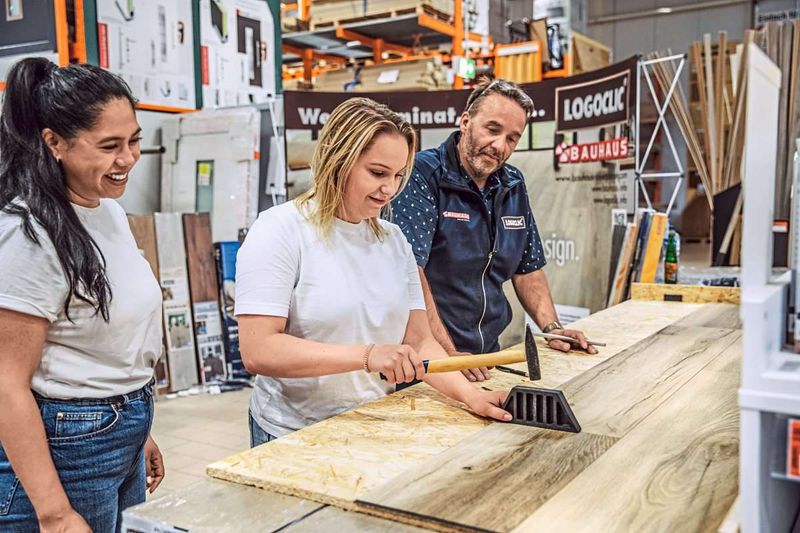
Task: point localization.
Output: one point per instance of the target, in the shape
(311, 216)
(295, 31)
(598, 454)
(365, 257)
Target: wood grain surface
(334, 520)
(144, 233)
(341, 459)
(619, 393)
(676, 471)
(526, 467)
(204, 292)
(213, 506)
(493, 481)
(200, 254)
(713, 316)
(183, 368)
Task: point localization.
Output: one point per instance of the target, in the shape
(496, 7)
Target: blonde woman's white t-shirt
(85, 357)
(350, 289)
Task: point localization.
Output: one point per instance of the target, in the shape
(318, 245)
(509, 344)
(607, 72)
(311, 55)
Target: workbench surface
(658, 450)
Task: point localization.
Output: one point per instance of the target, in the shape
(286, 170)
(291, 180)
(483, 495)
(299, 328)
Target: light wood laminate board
(213, 506)
(677, 471)
(335, 520)
(529, 466)
(179, 335)
(204, 292)
(342, 458)
(713, 316)
(492, 482)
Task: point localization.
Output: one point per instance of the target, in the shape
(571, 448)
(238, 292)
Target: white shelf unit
(770, 388)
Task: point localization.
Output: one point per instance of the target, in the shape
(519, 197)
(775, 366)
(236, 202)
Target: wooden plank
(530, 466)
(619, 284)
(204, 292)
(699, 70)
(784, 163)
(524, 467)
(685, 293)
(212, 506)
(333, 519)
(144, 233)
(684, 477)
(655, 243)
(720, 87)
(342, 458)
(538, 30)
(177, 306)
(619, 223)
(736, 136)
(714, 315)
(633, 383)
(710, 118)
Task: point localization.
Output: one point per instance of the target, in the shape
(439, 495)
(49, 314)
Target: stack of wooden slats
(781, 42)
(713, 123)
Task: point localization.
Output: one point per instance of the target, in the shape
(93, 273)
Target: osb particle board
(685, 293)
(342, 458)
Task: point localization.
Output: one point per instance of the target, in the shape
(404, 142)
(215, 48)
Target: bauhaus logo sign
(594, 103)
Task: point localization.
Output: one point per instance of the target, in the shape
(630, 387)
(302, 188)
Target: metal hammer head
(532, 356)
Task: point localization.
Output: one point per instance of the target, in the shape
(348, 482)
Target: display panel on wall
(32, 28)
(151, 45)
(237, 56)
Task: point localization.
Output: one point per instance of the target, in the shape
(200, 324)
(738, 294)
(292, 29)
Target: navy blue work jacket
(468, 241)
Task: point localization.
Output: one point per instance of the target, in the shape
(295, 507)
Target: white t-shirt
(88, 358)
(352, 289)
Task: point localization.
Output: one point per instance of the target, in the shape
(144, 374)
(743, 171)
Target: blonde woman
(328, 295)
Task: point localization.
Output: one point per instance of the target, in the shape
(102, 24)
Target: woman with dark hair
(80, 310)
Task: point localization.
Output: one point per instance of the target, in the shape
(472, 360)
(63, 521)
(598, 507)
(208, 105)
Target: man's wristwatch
(551, 326)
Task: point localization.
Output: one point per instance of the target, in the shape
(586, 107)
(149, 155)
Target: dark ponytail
(67, 100)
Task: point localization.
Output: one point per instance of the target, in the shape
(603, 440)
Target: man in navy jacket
(466, 214)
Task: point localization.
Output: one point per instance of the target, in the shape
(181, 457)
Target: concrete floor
(193, 431)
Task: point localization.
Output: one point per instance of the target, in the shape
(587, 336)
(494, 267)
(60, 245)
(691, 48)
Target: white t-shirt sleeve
(31, 278)
(267, 266)
(416, 299)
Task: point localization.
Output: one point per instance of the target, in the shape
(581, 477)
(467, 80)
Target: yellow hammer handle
(463, 362)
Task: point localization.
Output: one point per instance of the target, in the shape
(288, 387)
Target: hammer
(503, 357)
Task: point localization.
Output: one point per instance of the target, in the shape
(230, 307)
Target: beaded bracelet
(366, 357)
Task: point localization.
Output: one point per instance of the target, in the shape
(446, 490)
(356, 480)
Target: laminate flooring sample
(676, 471)
(177, 305)
(204, 292)
(520, 469)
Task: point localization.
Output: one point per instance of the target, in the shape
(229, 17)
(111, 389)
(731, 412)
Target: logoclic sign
(309, 110)
(593, 103)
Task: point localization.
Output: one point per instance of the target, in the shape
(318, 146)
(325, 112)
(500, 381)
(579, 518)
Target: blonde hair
(349, 131)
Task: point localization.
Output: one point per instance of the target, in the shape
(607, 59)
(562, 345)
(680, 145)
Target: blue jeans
(97, 446)
(257, 435)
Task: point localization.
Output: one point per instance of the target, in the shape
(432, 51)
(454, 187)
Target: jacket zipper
(493, 236)
(483, 290)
